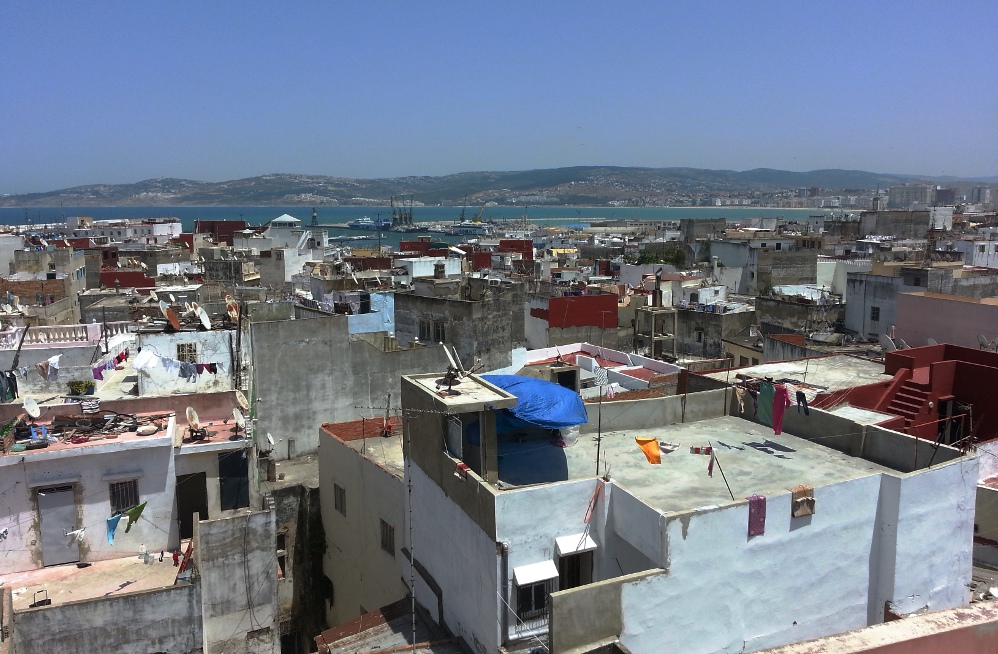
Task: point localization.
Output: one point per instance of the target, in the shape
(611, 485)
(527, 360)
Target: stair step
(911, 390)
(916, 407)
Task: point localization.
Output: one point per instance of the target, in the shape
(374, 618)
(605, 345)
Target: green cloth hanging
(133, 515)
(766, 394)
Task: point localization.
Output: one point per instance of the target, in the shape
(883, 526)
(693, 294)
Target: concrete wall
(946, 319)
(91, 469)
(865, 291)
(363, 574)
(237, 561)
(638, 414)
(797, 316)
(308, 372)
(455, 555)
(165, 620)
(702, 333)
(216, 346)
(486, 328)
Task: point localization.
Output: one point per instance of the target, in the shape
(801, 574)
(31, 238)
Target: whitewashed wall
(461, 558)
(91, 469)
(213, 347)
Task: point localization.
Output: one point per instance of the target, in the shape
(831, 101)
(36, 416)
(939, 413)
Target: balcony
(60, 335)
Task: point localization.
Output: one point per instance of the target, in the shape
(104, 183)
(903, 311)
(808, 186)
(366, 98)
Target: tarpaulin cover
(540, 403)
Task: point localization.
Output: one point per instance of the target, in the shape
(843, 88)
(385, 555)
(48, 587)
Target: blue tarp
(540, 403)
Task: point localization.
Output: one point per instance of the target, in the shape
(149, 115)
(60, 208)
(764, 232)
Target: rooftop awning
(535, 572)
(574, 544)
(540, 403)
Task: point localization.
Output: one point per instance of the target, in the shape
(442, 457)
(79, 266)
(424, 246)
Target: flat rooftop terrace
(832, 373)
(68, 583)
(754, 462)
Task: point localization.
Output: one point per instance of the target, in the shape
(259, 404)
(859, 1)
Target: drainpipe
(503, 551)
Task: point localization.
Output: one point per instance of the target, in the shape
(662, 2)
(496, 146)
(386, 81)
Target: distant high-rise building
(980, 195)
(945, 196)
(905, 195)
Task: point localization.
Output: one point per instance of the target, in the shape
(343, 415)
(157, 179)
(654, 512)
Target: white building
(151, 230)
(515, 538)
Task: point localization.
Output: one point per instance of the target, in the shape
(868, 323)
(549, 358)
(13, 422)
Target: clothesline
(146, 360)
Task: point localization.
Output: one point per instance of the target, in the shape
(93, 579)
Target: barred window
(388, 538)
(439, 332)
(532, 599)
(187, 352)
(124, 495)
(340, 498)
(425, 329)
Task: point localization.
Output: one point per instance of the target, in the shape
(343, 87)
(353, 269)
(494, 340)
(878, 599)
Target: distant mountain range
(578, 185)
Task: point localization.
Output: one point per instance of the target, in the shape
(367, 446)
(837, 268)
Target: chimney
(439, 270)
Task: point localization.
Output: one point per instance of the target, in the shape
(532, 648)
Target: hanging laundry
(76, 536)
(740, 396)
(781, 400)
(98, 373)
(54, 367)
(133, 515)
(112, 525)
(754, 394)
(756, 515)
(188, 371)
(766, 393)
(802, 402)
(213, 368)
(23, 372)
(650, 448)
(43, 369)
(145, 359)
(199, 367)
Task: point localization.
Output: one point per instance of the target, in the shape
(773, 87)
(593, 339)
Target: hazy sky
(94, 92)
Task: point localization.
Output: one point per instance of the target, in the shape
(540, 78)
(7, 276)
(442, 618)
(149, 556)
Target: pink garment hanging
(781, 400)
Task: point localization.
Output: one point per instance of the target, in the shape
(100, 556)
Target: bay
(541, 215)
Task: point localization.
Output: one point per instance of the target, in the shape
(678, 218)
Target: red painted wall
(221, 230)
(583, 311)
(523, 246)
(126, 278)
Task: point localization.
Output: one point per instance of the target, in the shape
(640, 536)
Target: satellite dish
(887, 343)
(932, 341)
(171, 317)
(187, 308)
(8, 309)
(164, 307)
(270, 439)
(192, 418)
(240, 420)
(143, 265)
(205, 320)
(153, 295)
(172, 299)
(31, 407)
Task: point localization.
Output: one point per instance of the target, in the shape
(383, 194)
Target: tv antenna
(455, 371)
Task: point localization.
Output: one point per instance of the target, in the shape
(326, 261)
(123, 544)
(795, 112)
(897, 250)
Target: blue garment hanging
(112, 525)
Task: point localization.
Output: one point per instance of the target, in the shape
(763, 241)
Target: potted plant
(81, 387)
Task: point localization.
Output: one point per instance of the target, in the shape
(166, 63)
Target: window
(532, 599)
(388, 538)
(438, 332)
(742, 361)
(340, 498)
(779, 246)
(124, 495)
(575, 570)
(763, 245)
(699, 337)
(874, 314)
(981, 248)
(755, 361)
(187, 352)
(425, 329)
(916, 281)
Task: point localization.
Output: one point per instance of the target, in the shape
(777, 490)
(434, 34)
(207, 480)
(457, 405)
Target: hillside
(590, 185)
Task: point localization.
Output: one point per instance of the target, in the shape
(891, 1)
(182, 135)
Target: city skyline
(112, 94)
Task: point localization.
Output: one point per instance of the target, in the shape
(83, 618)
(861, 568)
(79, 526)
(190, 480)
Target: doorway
(575, 570)
(57, 513)
(192, 497)
(233, 480)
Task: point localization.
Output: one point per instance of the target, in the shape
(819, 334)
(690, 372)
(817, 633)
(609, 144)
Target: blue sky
(118, 92)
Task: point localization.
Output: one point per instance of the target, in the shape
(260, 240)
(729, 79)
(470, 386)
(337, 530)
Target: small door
(192, 497)
(575, 570)
(233, 480)
(57, 513)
